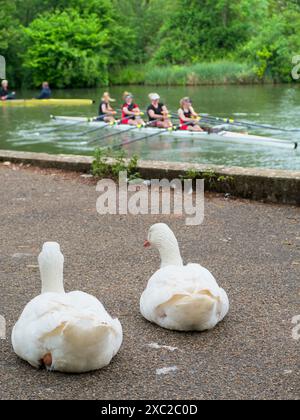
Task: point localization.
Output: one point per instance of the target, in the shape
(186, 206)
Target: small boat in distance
(47, 102)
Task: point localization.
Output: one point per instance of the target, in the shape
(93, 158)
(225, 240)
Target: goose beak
(147, 244)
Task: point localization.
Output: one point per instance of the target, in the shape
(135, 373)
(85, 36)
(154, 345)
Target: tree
(10, 39)
(276, 42)
(206, 29)
(66, 49)
(144, 18)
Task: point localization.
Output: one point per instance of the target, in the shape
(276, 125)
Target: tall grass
(214, 73)
(130, 75)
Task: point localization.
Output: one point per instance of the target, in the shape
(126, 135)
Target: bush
(275, 45)
(67, 50)
(109, 163)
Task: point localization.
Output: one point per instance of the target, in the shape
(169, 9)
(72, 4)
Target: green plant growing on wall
(212, 180)
(109, 163)
(191, 174)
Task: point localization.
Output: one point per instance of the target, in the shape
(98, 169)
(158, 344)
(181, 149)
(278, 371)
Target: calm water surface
(30, 129)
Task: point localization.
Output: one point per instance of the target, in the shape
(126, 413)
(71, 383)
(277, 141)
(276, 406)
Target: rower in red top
(158, 113)
(188, 117)
(131, 113)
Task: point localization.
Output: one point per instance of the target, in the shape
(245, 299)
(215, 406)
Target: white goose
(66, 332)
(178, 297)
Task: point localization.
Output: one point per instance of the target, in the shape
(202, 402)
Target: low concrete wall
(275, 186)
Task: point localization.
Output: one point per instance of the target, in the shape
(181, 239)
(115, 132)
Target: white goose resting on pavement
(66, 332)
(181, 297)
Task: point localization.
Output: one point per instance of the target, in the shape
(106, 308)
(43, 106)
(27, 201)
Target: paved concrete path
(253, 250)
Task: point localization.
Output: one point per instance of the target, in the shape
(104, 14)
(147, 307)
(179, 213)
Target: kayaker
(188, 117)
(45, 92)
(5, 94)
(131, 113)
(106, 112)
(158, 112)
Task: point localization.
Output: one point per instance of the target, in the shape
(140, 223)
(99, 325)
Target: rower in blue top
(45, 92)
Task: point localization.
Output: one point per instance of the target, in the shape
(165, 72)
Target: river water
(30, 128)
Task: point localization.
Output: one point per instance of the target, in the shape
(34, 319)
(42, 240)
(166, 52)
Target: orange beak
(147, 244)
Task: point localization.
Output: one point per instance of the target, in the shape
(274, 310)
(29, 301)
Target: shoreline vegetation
(222, 72)
(80, 44)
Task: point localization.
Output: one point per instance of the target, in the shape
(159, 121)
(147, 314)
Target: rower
(188, 117)
(158, 112)
(45, 92)
(106, 112)
(131, 113)
(5, 94)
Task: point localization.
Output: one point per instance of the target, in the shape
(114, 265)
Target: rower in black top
(106, 112)
(158, 112)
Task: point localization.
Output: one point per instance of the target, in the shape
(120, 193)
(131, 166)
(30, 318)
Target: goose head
(162, 238)
(51, 263)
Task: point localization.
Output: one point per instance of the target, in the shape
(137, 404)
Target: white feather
(73, 327)
(179, 297)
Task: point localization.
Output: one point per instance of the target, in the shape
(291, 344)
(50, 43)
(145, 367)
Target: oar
(62, 126)
(101, 127)
(233, 122)
(149, 136)
(136, 127)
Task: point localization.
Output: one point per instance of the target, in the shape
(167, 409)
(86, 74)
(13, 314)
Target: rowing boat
(46, 102)
(220, 136)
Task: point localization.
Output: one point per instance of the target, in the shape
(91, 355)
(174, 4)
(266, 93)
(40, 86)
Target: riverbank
(221, 72)
(268, 185)
(251, 248)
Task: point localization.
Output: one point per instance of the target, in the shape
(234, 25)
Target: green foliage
(213, 181)
(87, 43)
(145, 17)
(109, 163)
(128, 75)
(208, 29)
(276, 43)
(10, 39)
(67, 49)
(192, 174)
(219, 72)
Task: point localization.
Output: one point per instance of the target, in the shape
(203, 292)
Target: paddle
(101, 127)
(62, 126)
(233, 122)
(131, 128)
(117, 146)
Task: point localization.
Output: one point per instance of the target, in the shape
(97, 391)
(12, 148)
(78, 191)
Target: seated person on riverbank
(188, 117)
(106, 112)
(45, 92)
(158, 113)
(5, 94)
(131, 113)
